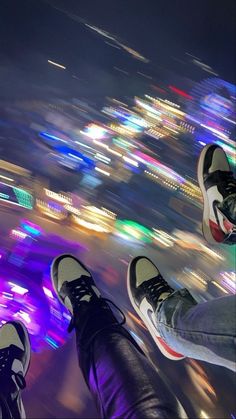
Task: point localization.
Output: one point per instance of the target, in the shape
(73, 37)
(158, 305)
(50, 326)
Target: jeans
(123, 381)
(204, 331)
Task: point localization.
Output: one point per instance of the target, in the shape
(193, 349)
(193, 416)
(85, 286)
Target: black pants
(122, 380)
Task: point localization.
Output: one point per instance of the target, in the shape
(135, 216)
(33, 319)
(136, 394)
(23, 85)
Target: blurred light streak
(137, 338)
(7, 178)
(52, 137)
(58, 197)
(215, 132)
(18, 234)
(91, 226)
(23, 315)
(102, 158)
(180, 92)
(137, 320)
(220, 287)
(57, 65)
(32, 230)
(48, 292)
(204, 415)
(18, 289)
(51, 342)
(130, 161)
(104, 172)
(72, 209)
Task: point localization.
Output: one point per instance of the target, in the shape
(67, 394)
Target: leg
(122, 380)
(14, 363)
(205, 331)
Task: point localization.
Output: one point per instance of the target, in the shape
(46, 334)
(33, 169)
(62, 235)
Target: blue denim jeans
(204, 331)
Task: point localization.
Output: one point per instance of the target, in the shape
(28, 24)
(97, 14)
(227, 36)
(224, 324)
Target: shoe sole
(162, 346)
(206, 230)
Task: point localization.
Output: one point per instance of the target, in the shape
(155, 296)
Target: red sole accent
(216, 232)
(168, 349)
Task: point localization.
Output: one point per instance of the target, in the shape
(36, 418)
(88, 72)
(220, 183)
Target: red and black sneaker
(147, 289)
(218, 187)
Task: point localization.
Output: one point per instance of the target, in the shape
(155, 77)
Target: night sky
(33, 31)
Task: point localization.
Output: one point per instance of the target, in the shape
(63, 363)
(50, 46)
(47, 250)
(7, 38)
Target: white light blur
(57, 64)
(6, 178)
(220, 287)
(91, 226)
(19, 234)
(47, 292)
(18, 289)
(130, 161)
(204, 415)
(58, 197)
(216, 132)
(75, 157)
(72, 209)
(102, 158)
(104, 172)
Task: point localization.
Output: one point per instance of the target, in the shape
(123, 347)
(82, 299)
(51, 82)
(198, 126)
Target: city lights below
(58, 197)
(57, 64)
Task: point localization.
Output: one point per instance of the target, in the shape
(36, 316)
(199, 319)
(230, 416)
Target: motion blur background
(104, 109)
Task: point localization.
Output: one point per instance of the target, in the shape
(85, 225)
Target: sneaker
(218, 188)
(147, 289)
(14, 364)
(76, 289)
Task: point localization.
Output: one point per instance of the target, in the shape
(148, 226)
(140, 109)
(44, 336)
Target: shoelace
(101, 301)
(76, 290)
(4, 365)
(228, 178)
(155, 287)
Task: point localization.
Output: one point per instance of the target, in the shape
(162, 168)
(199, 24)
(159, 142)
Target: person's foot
(76, 289)
(218, 188)
(147, 289)
(14, 364)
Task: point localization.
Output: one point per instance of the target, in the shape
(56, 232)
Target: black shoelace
(155, 287)
(230, 182)
(76, 291)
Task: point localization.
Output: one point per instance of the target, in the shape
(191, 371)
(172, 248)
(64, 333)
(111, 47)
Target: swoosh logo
(150, 313)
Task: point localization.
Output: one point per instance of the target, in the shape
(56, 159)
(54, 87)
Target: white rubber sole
(152, 330)
(206, 208)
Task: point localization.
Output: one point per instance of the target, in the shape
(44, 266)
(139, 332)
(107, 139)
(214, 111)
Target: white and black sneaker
(218, 188)
(14, 363)
(147, 289)
(76, 289)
